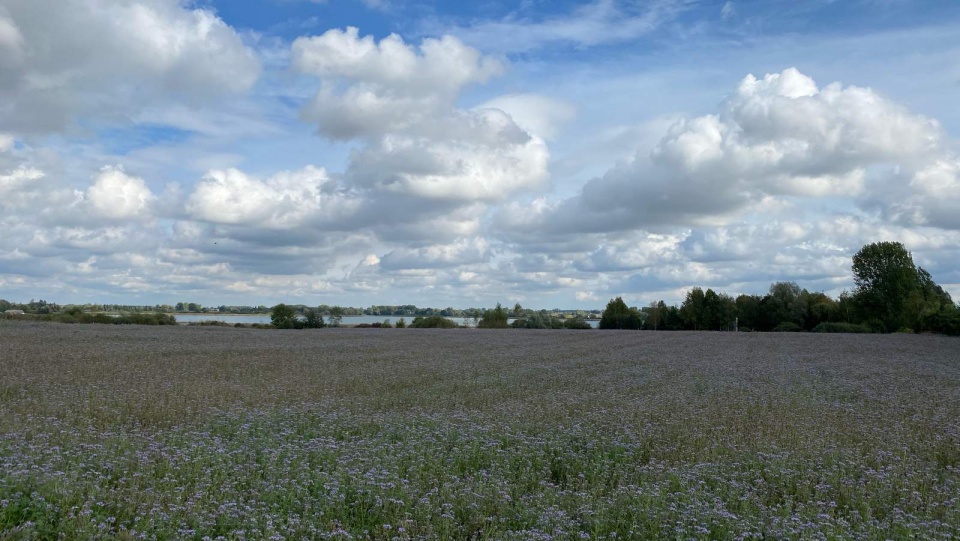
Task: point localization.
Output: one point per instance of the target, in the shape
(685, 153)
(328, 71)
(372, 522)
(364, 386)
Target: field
(131, 432)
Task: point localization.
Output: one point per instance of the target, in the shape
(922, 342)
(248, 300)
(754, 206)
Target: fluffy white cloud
(118, 196)
(62, 58)
(540, 115)
(285, 200)
(401, 101)
(932, 196)
(463, 252)
(778, 137)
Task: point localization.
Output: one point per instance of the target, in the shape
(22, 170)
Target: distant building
(14, 313)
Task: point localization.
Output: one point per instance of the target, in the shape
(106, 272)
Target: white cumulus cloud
(118, 196)
(103, 57)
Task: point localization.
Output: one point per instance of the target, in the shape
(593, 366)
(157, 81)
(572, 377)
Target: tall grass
(210, 432)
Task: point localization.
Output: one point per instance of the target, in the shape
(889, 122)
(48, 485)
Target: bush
(209, 323)
(837, 327)
(576, 323)
(494, 319)
(432, 322)
(401, 323)
(127, 319)
(787, 326)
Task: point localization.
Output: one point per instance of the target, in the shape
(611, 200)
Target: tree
(401, 323)
(786, 303)
(517, 310)
(885, 275)
(313, 319)
(336, 316)
(618, 316)
(655, 314)
(693, 309)
(494, 319)
(283, 316)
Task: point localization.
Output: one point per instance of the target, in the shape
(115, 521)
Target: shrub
(494, 319)
(432, 322)
(401, 323)
(838, 327)
(787, 326)
(576, 323)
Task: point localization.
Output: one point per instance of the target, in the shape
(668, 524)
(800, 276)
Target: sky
(552, 153)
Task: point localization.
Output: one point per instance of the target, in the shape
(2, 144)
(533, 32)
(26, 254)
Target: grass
(224, 433)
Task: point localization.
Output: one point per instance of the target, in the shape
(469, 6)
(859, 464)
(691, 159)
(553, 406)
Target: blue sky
(466, 153)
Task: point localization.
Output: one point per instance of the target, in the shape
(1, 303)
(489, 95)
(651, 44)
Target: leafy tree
(336, 316)
(748, 311)
(517, 310)
(785, 303)
(494, 319)
(313, 319)
(618, 316)
(576, 323)
(885, 275)
(655, 313)
(401, 323)
(693, 310)
(820, 309)
(283, 316)
(432, 322)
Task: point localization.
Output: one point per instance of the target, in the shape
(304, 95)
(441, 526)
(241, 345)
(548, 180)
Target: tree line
(891, 294)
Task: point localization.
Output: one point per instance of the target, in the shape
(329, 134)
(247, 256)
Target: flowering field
(223, 433)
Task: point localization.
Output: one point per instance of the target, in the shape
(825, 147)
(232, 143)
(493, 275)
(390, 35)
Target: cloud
(540, 115)
(596, 23)
(778, 137)
(284, 201)
(401, 101)
(62, 59)
(118, 196)
(463, 252)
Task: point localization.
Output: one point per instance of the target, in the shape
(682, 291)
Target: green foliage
(618, 316)
(283, 316)
(401, 323)
(123, 319)
(708, 310)
(386, 324)
(336, 316)
(787, 326)
(494, 319)
(840, 327)
(313, 319)
(432, 322)
(885, 276)
(576, 323)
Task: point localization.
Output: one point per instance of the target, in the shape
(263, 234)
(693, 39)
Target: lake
(347, 320)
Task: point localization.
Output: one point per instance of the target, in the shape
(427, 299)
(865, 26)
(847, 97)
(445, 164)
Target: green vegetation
(75, 316)
(432, 322)
(892, 294)
(835, 327)
(494, 319)
(618, 316)
(194, 432)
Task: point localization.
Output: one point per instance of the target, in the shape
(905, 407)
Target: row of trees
(891, 294)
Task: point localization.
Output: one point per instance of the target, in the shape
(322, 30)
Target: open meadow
(128, 432)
